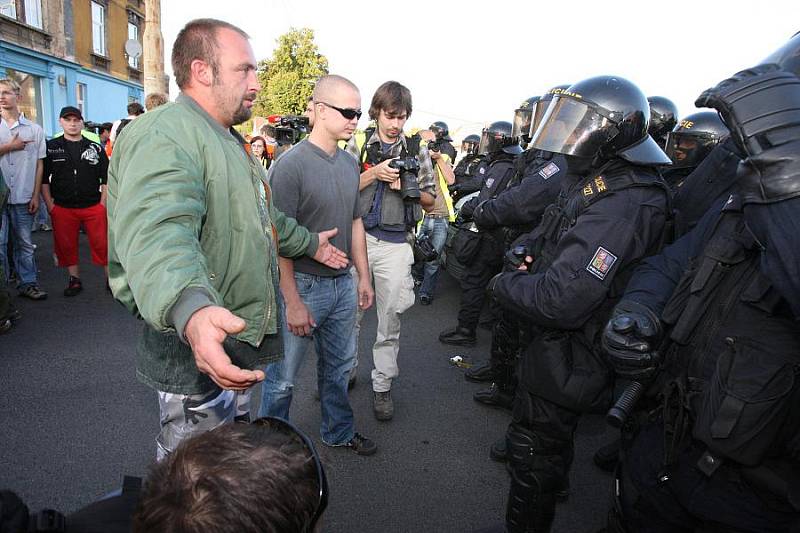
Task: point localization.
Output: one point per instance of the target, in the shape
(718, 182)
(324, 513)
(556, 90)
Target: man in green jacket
(194, 238)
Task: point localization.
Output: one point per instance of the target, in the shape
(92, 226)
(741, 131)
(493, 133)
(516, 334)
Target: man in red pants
(74, 187)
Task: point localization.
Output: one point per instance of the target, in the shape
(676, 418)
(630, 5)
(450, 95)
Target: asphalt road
(74, 419)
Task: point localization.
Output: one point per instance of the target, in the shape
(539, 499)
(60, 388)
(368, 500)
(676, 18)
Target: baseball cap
(70, 110)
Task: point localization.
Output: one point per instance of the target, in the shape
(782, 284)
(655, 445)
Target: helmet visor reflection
(572, 127)
(522, 123)
(490, 142)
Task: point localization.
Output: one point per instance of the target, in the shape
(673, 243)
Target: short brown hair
(11, 84)
(237, 478)
(153, 100)
(198, 40)
(391, 97)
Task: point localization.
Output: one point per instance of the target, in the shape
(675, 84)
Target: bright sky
(469, 66)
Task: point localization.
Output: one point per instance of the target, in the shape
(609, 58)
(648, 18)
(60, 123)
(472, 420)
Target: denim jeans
(19, 222)
(332, 303)
(436, 230)
(42, 216)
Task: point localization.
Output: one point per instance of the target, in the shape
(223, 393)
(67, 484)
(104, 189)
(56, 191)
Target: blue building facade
(50, 83)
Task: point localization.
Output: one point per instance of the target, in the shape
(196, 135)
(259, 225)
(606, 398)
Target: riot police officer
(482, 252)
(443, 139)
(523, 117)
(468, 177)
(722, 451)
(691, 141)
(610, 214)
(517, 210)
(663, 117)
(714, 179)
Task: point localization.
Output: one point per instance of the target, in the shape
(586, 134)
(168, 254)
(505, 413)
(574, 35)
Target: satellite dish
(133, 48)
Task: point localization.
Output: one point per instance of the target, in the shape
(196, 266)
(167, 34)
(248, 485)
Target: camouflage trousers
(186, 415)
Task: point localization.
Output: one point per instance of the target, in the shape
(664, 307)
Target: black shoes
(74, 287)
(359, 444)
(497, 451)
(458, 336)
(484, 372)
(494, 397)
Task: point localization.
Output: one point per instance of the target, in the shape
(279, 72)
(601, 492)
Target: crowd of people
(633, 262)
(57, 185)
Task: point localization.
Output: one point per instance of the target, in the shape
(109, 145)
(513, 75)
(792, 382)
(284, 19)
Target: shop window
(30, 94)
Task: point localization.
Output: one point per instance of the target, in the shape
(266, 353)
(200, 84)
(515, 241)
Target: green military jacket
(192, 224)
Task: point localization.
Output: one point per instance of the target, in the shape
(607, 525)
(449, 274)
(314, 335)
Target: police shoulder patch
(549, 170)
(601, 263)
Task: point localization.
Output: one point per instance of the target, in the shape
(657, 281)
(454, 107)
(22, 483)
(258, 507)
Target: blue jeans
(436, 230)
(42, 216)
(332, 303)
(17, 220)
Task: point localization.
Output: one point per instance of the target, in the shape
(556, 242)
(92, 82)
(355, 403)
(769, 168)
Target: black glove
(630, 340)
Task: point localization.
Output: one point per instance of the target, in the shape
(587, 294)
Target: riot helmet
(523, 117)
(497, 137)
(694, 137)
(441, 131)
(470, 144)
(541, 106)
(663, 117)
(787, 56)
(600, 118)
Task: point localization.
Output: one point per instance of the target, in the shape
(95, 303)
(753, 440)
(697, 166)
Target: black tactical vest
(734, 356)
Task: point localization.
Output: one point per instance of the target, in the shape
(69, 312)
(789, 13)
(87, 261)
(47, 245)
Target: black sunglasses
(347, 113)
(287, 427)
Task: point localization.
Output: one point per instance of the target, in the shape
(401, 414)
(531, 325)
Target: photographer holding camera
(434, 225)
(393, 201)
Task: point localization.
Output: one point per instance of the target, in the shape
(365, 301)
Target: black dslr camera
(435, 146)
(287, 129)
(408, 167)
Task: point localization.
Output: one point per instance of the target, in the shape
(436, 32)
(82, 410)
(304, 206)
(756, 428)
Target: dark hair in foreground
(198, 40)
(237, 478)
(392, 97)
(135, 108)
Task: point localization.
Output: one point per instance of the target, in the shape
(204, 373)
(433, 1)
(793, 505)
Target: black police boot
(481, 373)
(529, 509)
(497, 451)
(607, 457)
(458, 336)
(494, 396)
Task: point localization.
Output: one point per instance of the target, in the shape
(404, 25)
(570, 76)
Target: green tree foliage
(288, 77)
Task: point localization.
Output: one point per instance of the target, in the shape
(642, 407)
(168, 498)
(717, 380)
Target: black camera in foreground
(408, 167)
(435, 146)
(287, 129)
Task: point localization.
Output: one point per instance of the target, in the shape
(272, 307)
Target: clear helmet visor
(469, 147)
(572, 127)
(521, 128)
(490, 142)
(539, 109)
(688, 150)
